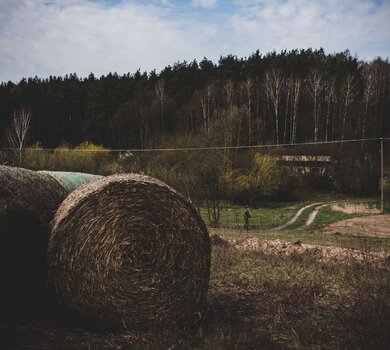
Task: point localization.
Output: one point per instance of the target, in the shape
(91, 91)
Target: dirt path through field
(373, 225)
(295, 217)
(351, 225)
(313, 214)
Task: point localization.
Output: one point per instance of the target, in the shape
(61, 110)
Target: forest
(277, 98)
(103, 125)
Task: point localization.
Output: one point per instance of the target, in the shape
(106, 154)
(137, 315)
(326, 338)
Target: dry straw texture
(128, 251)
(28, 201)
(27, 190)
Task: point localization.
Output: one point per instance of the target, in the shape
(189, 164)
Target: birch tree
(273, 88)
(349, 92)
(206, 100)
(286, 116)
(367, 95)
(18, 130)
(296, 96)
(316, 83)
(247, 88)
(330, 100)
(228, 89)
(161, 96)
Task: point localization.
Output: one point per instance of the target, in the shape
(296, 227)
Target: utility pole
(382, 180)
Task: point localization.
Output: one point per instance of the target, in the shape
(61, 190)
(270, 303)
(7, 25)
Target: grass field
(277, 214)
(295, 302)
(259, 300)
(261, 218)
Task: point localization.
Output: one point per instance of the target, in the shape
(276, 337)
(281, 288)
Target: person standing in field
(247, 215)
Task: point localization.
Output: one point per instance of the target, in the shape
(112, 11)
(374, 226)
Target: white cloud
(163, 2)
(56, 37)
(81, 36)
(204, 3)
(362, 26)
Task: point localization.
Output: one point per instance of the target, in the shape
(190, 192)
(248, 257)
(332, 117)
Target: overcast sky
(56, 37)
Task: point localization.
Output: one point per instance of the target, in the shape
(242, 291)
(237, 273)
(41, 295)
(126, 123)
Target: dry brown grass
(354, 208)
(278, 301)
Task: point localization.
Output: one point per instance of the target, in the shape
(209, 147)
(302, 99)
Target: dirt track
(373, 225)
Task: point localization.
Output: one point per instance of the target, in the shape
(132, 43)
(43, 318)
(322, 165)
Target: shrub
(264, 179)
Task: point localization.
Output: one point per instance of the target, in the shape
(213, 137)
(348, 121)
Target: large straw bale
(33, 191)
(128, 251)
(28, 201)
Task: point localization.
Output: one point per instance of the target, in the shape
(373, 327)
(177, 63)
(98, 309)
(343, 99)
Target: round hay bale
(128, 251)
(28, 201)
(35, 191)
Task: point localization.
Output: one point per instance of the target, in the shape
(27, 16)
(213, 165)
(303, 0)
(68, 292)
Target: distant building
(305, 165)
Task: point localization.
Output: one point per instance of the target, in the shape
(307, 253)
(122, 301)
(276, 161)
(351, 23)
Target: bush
(264, 179)
(85, 157)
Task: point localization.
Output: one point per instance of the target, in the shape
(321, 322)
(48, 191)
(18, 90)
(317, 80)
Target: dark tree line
(286, 97)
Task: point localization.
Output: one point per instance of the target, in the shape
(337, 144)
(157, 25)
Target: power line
(185, 149)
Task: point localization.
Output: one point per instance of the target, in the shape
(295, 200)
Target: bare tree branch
(18, 130)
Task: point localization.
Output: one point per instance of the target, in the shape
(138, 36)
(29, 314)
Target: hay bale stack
(128, 251)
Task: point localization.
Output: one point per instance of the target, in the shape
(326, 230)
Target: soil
(373, 225)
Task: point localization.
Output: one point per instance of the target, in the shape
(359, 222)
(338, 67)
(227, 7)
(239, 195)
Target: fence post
(382, 179)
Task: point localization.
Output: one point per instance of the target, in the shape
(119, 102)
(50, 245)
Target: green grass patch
(261, 218)
(274, 214)
(327, 216)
